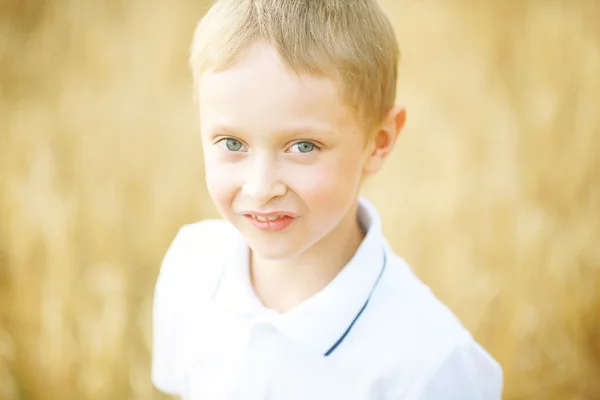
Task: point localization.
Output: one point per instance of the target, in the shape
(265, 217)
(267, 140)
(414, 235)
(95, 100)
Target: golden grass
(493, 194)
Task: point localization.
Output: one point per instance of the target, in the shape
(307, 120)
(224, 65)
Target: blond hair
(350, 41)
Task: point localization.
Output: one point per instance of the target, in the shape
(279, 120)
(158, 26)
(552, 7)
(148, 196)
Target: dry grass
(493, 194)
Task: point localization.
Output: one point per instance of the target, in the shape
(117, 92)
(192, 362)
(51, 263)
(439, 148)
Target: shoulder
(432, 350)
(468, 372)
(192, 263)
(195, 245)
(409, 310)
(200, 236)
(189, 271)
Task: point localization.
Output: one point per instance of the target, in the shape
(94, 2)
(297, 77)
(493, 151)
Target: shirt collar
(322, 319)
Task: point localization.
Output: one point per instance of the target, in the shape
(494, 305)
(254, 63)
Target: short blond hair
(350, 41)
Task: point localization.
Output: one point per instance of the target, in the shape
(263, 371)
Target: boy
(296, 294)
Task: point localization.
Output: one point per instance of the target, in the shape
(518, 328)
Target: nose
(262, 181)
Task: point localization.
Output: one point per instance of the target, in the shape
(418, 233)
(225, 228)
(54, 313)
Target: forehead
(259, 93)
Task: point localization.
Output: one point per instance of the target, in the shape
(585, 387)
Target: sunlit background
(493, 193)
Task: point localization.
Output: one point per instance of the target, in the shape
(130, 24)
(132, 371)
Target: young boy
(296, 294)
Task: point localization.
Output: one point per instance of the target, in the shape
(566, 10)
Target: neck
(283, 284)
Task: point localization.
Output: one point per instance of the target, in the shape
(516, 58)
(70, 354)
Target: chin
(274, 251)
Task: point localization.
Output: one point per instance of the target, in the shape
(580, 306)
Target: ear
(382, 142)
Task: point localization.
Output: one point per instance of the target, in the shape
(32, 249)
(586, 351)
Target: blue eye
(231, 144)
(303, 147)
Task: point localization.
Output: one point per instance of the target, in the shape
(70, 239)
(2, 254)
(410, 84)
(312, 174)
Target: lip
(271, 226)
(268, 214)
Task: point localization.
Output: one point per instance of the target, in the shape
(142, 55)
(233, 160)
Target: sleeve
(165, 320)
(468, 373)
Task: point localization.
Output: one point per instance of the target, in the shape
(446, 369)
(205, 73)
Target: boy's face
(275, 142)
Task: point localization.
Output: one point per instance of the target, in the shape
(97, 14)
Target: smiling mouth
(269, 218)
(270, 223)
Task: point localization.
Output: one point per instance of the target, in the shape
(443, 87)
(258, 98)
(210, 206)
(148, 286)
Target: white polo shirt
(375, 332)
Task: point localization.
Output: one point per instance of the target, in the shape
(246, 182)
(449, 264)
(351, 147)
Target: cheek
(220, 180)
(329, 185)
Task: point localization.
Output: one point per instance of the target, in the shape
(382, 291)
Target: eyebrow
(295, 132)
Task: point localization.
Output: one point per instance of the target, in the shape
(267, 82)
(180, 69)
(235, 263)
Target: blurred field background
(493, 193)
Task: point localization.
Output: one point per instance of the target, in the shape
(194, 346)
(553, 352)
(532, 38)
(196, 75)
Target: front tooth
(265, 219)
